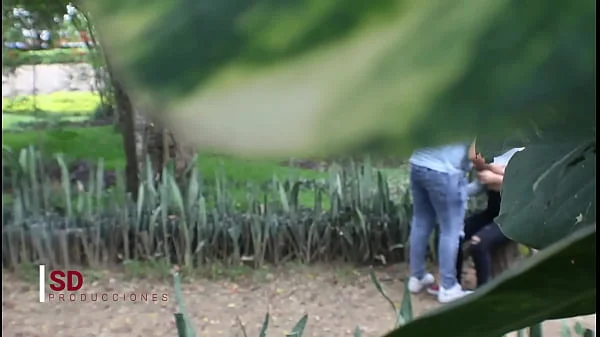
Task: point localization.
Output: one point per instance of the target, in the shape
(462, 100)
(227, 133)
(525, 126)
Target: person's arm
(474, 188)
(496, 180)
(487, 177)
(476, 158)
(472, 151)
(497, 168)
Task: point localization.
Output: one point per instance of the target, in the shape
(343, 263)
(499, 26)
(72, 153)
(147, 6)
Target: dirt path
(336, 299)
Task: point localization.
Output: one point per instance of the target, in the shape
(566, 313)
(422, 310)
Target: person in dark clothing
(484, 235)
(480, 228)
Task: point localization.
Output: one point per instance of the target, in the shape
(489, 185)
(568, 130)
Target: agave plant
(63, 219)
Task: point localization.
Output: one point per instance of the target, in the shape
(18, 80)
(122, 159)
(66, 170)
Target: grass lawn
(58, 106)
(12, 121)
(94, 143)
(63, 103)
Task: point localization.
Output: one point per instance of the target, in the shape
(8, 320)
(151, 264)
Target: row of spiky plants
(198, 220)
(195, 222)
(403, 314)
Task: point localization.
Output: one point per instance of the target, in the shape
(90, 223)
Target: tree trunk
(160, 145)
(126, 114)
(143, 137)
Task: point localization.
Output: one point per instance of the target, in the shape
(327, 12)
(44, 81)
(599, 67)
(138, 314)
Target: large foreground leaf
(275, 77)
(558, 282)
(549, 192)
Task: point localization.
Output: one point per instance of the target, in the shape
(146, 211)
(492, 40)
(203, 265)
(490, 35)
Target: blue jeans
(442, 197)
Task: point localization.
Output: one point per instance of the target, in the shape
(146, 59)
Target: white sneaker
(416, 286)
(454, 293)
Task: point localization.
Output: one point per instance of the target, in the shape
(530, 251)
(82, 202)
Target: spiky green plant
(59, 220)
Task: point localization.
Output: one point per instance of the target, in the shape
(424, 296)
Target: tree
(141, 136)
(280, 79)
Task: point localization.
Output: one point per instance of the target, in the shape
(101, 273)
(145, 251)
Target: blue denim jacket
(451, 158)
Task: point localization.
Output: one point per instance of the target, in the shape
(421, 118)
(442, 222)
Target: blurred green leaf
(320, 76)
(399, 319)
(298, 329)
(181, 325)
(536, 330)
(579, 329)
(265, 326)
(406, 310)
(565, 329)
(549, 192)
(510, 302)
(183, 320)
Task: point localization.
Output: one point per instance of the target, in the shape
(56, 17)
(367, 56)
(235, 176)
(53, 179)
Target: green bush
(16, 58)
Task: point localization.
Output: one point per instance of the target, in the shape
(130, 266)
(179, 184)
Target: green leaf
(65, 181)
(277, 77)
(406, 310)
(399, 319)
(183, 316)
(565, 329)
(510, 302)
(298, 329)
(579, 329)
(549, 191)
(265, 326)
(181, 325)
(536, 330)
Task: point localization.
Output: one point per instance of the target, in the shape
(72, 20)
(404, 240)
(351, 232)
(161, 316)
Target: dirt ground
(337, 299)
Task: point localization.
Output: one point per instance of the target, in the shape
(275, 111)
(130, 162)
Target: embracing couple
(440, 190)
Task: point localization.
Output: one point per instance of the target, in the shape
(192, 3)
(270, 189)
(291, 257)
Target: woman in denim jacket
(438, 185)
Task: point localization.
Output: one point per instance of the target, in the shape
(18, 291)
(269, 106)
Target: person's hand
(496, 168)
(479, 162)
(486, 177)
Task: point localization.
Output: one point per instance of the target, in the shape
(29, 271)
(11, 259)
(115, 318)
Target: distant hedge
(15, 58)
